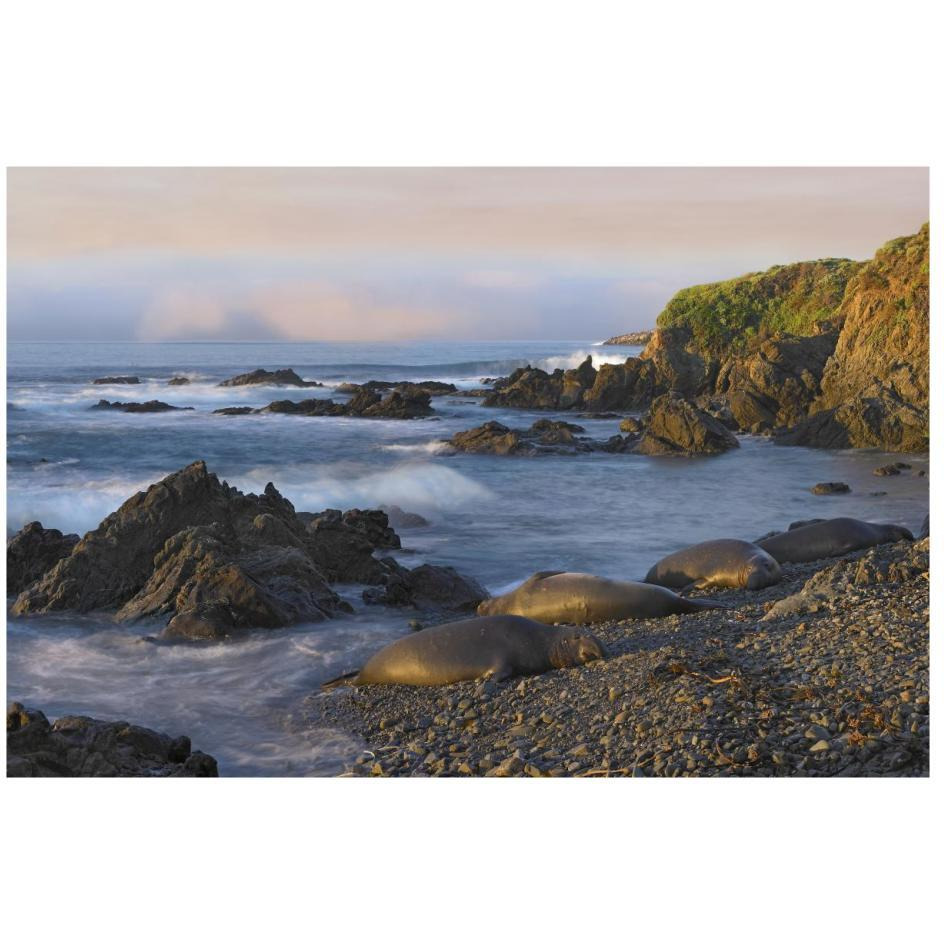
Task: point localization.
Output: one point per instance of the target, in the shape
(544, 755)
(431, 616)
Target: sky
(255, 254)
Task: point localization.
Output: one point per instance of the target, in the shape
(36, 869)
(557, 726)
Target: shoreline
(839, 691)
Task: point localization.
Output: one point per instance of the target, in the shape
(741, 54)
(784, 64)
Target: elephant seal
(494, 647)
(561, 597)
(722, 563)
(830, 538)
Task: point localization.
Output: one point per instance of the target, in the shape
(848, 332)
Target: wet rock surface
(842, 691)
(830, 488)
(149, 406)
(396, 405)
(281, 378)
(675, 426)
(116, 380)
(213, 561)
(77, 746)
(545, 437)
(32, 551)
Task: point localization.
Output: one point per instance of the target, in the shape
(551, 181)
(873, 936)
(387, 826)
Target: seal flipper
(346, 679)
(707, 605)
(544, 574)
(497, 673)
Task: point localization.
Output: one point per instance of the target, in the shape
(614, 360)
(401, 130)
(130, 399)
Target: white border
(511, 83)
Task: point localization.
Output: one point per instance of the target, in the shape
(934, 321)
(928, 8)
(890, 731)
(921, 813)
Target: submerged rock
(178, 381)
(435, 388)
(116, 380)
(279, 378)
(677, 427)
(830, 488)
(234, 411)
(396, 405)
(77, 746)
(32, 551)
(150, 406)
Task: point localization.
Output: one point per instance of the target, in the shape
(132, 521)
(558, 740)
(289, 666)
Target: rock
(427, 587)
(435, 388)
(677, 427)
(830, 488)
(895, 468)
(150, 406)
(195, 548)
(630, 425)
(492, 438)
(636, 338)
(884, 343)
(925, 530)
(366, 403)
(403, 520)
(76, 746)
(234, 410)
(629, 386)
(277, 378)
(534, 389)
(178, 381)
(32, 551)
(544, 436)
(879, 419)
(116, 380)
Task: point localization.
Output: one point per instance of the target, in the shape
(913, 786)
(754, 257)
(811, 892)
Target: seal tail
(707, 605)
(340, 680)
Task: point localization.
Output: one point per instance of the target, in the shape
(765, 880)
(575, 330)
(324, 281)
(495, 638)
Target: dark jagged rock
(894, 468)
(366, 403)
(535, 389)
(677, 427)
(403, 520)
(150, 406)
(830, 488)
(374, 525)
(178, 381)
(277, 378)
(493, 438)
(192, 545)
(629, 386)
(427, 587)
(435, 388)
(116, 380)
(235, 411)
(32, 551)
(544, 436)
(76, 746)
(880, 420)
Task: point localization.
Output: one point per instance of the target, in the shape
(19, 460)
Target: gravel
(838, 691)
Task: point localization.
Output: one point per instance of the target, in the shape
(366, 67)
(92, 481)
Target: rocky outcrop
(149, 406)
(214, 561)
(76, 746)
(178, 382)
(435, 388)
(32, 551)
(875, 386)
(273, 378)
(830, 488)
(880, 420)
(397, 405)
(116, 380)
(535, 389)
(235, 411)
(544, 437)
(677, 427)
(427, 587)
(629, 386)
(634, 338)
(403, 520)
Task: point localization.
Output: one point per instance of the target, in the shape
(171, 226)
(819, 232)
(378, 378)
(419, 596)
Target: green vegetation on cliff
(725, 317)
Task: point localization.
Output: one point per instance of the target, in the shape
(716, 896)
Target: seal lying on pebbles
(558, 597)
(495, 647)
(830, 538)
(721, 563)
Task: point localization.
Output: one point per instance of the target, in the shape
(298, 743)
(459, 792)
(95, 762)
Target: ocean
(497, 519)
